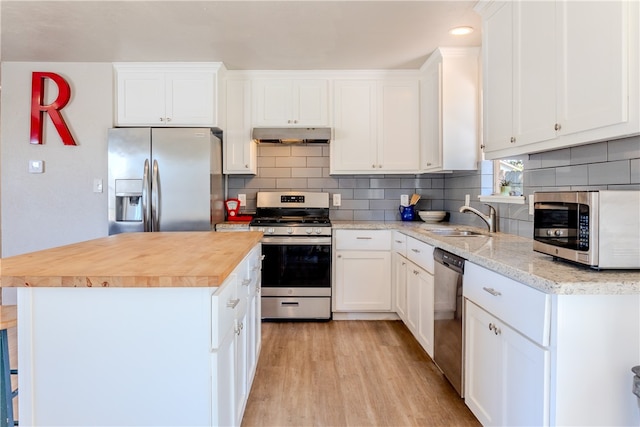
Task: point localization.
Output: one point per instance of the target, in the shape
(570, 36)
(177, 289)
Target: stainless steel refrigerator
(165, 179)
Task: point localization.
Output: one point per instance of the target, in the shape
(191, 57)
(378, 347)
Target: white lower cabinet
(362, 270)
(414, 287)
(420, 291)
(507, 374)
(507, 354)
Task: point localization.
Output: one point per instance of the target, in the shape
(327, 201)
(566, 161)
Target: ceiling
(245, 35)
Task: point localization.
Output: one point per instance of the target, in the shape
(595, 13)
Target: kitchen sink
(447, 232)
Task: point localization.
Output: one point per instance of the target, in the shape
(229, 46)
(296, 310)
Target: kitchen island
(138, 329)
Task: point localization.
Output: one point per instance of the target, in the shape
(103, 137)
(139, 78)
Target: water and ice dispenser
(129, 200)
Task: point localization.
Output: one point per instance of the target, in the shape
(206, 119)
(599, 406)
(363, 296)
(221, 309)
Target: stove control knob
(318, 230)
(271, 230)
(290, 230)
(308, 231)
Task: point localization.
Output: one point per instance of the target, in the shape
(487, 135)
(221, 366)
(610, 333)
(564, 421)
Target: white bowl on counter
(432, 216)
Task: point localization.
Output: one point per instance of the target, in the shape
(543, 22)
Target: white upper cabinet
(555, 75)
(240, 150)
(175, 94)
(290, 102)
(449, 99)
(376, 126)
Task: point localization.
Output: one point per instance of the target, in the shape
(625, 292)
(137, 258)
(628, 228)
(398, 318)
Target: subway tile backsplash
(602, 165)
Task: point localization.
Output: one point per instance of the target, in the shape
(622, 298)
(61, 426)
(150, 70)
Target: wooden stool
(8, 319)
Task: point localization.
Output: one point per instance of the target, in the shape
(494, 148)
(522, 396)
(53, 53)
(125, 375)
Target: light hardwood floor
(349, 373)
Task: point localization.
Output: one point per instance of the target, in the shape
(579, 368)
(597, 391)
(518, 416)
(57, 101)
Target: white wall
(57, 207)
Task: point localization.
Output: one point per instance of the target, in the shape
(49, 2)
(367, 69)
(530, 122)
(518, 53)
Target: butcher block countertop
(164, 259)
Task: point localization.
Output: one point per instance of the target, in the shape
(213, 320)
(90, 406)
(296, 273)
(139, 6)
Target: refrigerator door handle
(146, 182)
(155, 197)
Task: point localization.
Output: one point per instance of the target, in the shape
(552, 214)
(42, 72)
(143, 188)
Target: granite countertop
(165, 259)
(513, 257)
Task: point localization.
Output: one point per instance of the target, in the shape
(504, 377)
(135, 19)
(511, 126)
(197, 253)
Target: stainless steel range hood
(320, 135)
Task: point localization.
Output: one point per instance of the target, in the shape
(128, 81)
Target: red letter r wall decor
(53, 109)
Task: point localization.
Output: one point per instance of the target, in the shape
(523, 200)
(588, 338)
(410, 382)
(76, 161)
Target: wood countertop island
(165, 259)
(138, 329)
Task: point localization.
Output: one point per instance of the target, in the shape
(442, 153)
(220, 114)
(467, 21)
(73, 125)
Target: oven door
(296, 266)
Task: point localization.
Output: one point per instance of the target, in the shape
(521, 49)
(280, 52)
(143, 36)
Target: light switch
(404, 199)
(36, 166)
(97, 185)
(337, 199)
(243, 199)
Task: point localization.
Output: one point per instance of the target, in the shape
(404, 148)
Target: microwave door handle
(155, 197)
(146, 207)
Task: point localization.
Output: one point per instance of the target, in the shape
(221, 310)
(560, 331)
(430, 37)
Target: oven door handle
(267, 240)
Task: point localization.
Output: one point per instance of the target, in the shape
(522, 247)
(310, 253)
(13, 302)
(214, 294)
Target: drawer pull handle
(398, 241)
(233, 303)
(492, 291)
(292, 303)
(363, 238)
(246, 282)
(416, 250)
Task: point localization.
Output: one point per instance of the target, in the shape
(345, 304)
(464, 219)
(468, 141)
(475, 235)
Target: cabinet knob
(373, 166)
(557, 127)
(168, 119)
(482, 146)
(246, 166)
(428, 164)
(513, 139)
(339, 256)
(162, 119)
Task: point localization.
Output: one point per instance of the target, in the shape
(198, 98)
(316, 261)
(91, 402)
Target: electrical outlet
(404, 199)
(531, 202)
(337, 199)
(243, 199)
(467, 199)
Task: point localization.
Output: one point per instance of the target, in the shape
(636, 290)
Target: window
(510, 171)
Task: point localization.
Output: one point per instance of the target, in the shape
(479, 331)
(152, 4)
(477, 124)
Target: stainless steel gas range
(296, 270)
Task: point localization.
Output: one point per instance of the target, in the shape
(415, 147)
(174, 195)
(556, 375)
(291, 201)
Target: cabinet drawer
(524, 308)
(224, 305)
(399, 243)
(421, 253)
(363, 240)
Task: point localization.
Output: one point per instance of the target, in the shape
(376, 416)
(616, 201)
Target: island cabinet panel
(170, 356)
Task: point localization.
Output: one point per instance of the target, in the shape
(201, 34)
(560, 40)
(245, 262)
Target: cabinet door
(223, 394)
(272, 102)
(241, 387)
(354, 146)
(425, 317)
(431, 131)
(593, 62)
(310, 102)
(483, 378)
(497, 47)
(399, 128)
(400, 284)
(141, 98)
(534, 71)
(413, 299)
(241, 152)
(190, 98)
(526, 376)
(363, 281)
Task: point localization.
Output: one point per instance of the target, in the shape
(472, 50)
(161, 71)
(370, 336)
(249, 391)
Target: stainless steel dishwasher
(448, 322)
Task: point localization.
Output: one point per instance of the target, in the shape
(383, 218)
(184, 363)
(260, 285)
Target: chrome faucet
(490, 220)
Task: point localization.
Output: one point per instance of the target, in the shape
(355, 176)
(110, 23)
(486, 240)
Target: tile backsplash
(604, 165)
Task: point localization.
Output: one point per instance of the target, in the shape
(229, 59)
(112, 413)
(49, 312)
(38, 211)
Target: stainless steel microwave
(600, 229)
